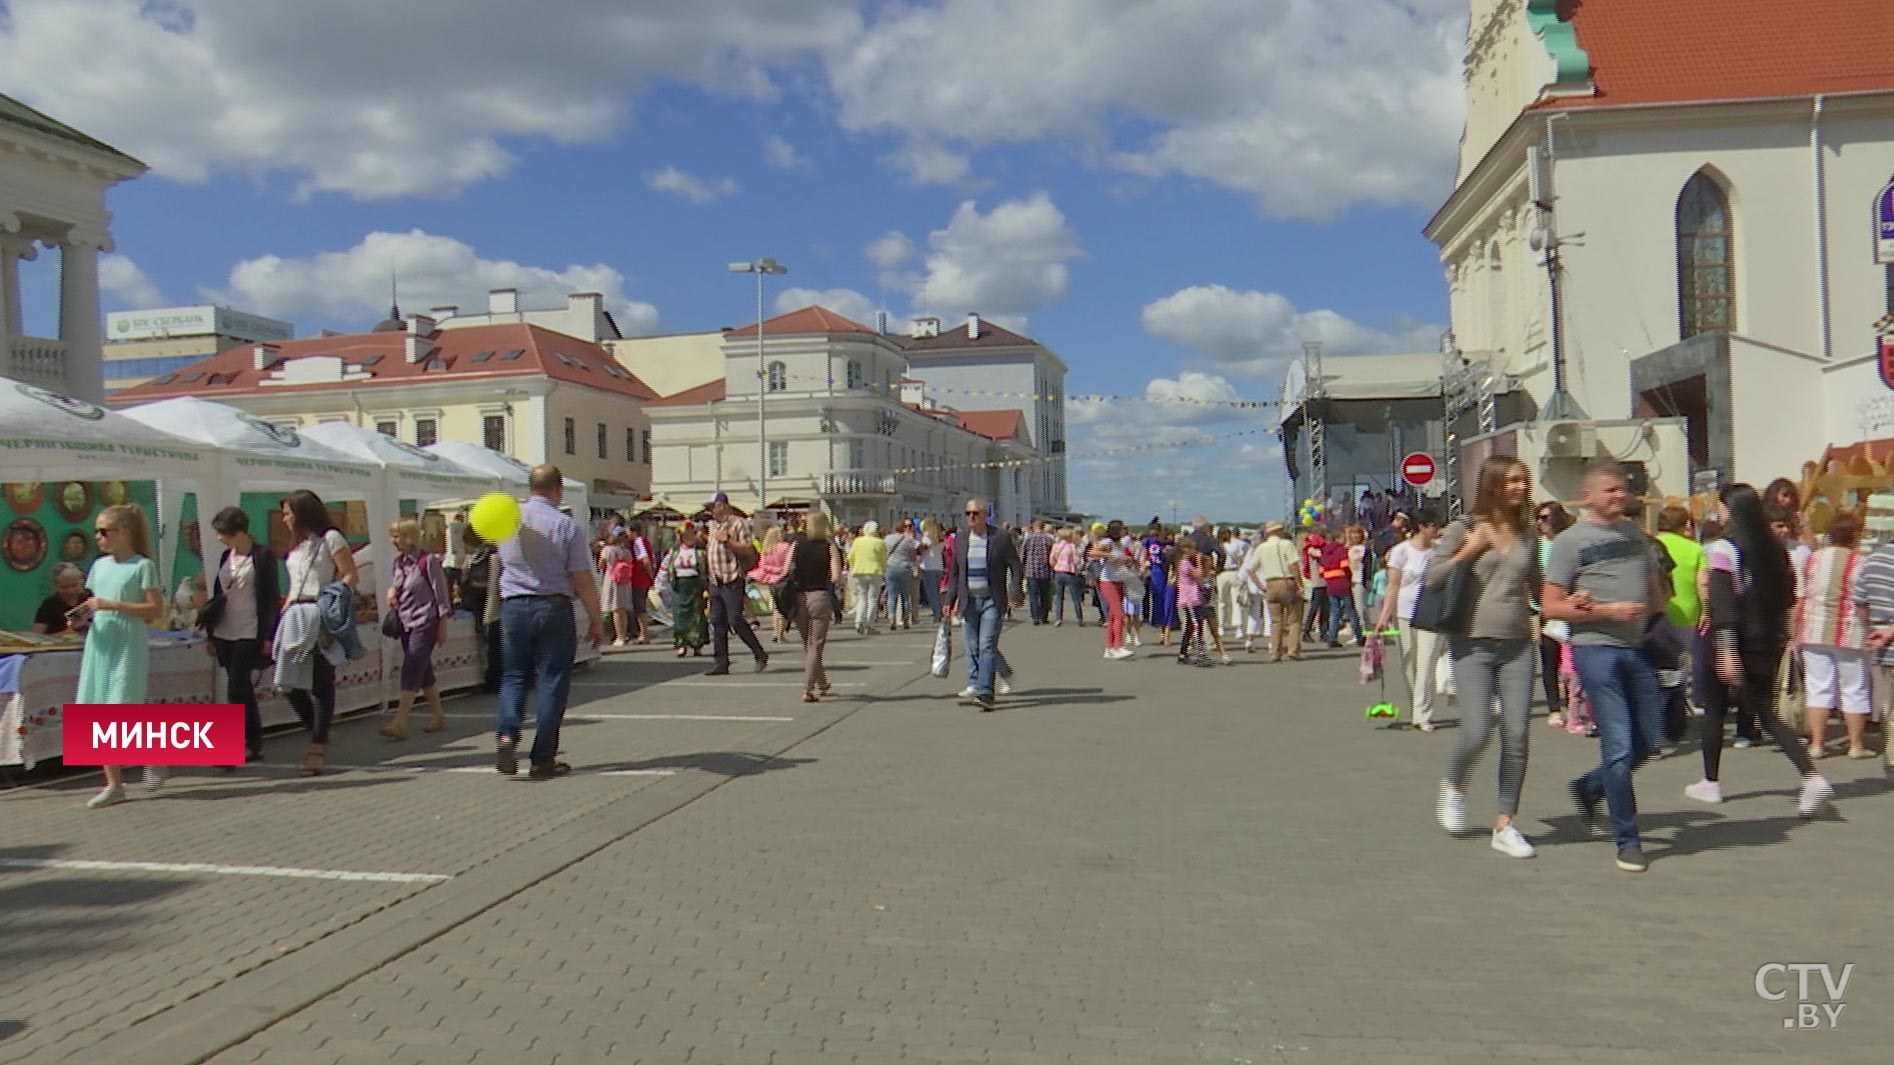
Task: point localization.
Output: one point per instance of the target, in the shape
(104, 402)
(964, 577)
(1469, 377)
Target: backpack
(473, 579)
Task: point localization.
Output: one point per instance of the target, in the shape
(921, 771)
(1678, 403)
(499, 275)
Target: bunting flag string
(1128, 449)
(1049, 397)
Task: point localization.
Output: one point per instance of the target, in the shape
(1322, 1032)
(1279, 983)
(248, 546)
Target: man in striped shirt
(1874, 592)
(731, 555)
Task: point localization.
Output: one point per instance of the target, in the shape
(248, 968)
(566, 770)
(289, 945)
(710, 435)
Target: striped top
(1825, 614)
(1874, 589)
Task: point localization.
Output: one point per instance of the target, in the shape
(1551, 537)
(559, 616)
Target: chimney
(419, 347)
(444, 313)
(503, 301)
(420, 325)
(587, 309)
(263, 356)
(924, 328)
(973, 325)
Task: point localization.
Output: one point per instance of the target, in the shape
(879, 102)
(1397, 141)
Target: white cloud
(352, 285)
(931, 164)
(690, 187)
(783, 155)
(889, 250)
(1213, 472)
(846, 302)
(121, 278)
(1257, 334)
(1301, 107)
(1003, 264)
(378, 100)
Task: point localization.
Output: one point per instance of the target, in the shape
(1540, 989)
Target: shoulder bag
(1446, 608)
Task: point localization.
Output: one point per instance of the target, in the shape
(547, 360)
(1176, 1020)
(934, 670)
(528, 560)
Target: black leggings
(1755, 700)
(316, 713)
(1550, 651)
(238, 659)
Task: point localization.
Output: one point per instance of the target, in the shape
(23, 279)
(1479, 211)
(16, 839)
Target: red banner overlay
(153, 734)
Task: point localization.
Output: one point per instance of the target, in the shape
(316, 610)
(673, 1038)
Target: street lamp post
(760, 268)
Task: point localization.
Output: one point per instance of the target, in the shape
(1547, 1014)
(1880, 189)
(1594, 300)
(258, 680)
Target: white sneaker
(1003, 686)
(1133, 641)
(1120, 654)
(621, 643)
(155, 776)
(109, 796)
(1705, 791)
(968, 692)
(1510, 842)
(1816, 791)
(1451, 809)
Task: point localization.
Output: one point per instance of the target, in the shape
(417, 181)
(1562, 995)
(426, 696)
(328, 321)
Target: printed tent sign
(512, 472)
(46, 437)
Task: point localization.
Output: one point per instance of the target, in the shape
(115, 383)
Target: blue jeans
(980, 628)
(930, 591)
(538, 639)
(1070, 586)
(1630, 714)
(1342, 608)
(899, 584)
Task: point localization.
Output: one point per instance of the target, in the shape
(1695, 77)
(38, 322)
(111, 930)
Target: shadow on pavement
(276, 786)
(9, 1029)
(34, 929)
(722, 763)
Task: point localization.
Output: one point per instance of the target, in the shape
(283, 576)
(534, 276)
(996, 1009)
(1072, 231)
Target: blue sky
(1172, 194)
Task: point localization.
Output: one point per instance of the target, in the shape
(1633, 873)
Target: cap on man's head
(720, 497)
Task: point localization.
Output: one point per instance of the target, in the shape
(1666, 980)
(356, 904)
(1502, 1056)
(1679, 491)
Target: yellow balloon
(495, 517)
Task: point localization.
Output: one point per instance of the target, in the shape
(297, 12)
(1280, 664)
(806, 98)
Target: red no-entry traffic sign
(1417, 469)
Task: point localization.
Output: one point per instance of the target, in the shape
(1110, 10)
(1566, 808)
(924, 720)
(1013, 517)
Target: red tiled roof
(807, 320)
(1679, 51)
(993, 425)
(710, 392)
(956, 338)
(457, 351)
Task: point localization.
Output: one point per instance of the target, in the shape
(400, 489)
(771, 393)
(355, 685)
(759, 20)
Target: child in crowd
(1190, 603)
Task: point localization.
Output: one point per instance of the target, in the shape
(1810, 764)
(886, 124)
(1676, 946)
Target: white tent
(413, 473)
(255, 456)
(512, 472)
(49, 437)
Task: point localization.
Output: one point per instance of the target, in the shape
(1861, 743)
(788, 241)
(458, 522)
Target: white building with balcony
(53, 181)
(838, 433)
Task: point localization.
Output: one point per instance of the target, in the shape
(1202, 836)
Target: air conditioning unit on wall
(1571, 440)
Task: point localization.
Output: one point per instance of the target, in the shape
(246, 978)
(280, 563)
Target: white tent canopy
(416, 473)
(49, 437)
(511, 471)
(1364, 377)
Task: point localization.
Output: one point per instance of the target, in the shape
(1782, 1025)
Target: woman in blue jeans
(1494, 656)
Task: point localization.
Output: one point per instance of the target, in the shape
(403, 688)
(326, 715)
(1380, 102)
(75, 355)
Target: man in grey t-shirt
(1600, 580)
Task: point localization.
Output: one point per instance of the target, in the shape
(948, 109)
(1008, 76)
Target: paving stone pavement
(1131, 862)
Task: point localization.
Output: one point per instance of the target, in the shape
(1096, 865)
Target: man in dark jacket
(986, 577)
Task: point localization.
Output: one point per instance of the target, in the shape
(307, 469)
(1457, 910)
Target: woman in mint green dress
(125, 600)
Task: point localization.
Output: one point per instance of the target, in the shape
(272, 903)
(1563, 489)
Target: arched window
(1706, 281)
(778, 377)
(854, 373)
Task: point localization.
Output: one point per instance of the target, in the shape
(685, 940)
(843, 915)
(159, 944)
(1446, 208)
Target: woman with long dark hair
(1493, 657)
(1751, 592)
(320, 557)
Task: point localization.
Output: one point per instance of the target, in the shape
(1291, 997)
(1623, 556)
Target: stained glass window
(1706, 288)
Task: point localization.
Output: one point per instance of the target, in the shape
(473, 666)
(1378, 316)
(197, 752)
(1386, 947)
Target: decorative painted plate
(112, 493)
(24, 545)
(25, 497)
(74, 547)
(74, 500)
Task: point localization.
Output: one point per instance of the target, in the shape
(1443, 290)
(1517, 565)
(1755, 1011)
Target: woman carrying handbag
(1478, 593)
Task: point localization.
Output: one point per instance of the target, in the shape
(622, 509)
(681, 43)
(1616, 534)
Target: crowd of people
(1633, 636)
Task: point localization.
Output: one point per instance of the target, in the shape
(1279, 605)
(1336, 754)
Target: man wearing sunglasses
(986, 578)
